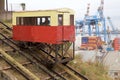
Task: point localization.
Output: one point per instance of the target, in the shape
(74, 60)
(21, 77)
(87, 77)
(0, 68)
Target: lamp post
(23, 6)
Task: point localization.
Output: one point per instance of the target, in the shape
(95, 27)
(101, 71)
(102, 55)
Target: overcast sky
(111, 7)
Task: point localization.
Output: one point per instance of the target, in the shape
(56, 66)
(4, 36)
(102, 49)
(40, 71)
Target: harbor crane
(111, 24)
(93, 23)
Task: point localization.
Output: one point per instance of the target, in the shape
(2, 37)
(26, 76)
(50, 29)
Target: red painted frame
(44, 34)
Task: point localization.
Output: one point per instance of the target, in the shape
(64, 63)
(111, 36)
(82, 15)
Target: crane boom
(111, 24)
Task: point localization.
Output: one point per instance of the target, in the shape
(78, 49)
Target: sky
(111, 7)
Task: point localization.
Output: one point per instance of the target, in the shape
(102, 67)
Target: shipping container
(84, 40)
(116, 44)
(91, 42)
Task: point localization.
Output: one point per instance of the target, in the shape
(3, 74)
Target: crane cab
(44, 26)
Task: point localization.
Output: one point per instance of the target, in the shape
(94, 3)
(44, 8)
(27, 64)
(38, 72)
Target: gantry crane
(94, 22)
(109, 32)
(111, 24)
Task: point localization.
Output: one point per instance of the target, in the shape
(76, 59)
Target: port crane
(93, 23)
(111, 25)
(109, 32)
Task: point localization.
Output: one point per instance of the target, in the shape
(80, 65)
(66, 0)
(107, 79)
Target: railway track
(10, 58)
(33, 59)
(68, 69)
(63, 68)
(75, 72)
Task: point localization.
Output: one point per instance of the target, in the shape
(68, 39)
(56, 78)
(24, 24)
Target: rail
(18, 66)
(49, 72)
(53, 73)
(8, 39)
(80, 75)
(26, 73)
(7, 27)
(74, 73)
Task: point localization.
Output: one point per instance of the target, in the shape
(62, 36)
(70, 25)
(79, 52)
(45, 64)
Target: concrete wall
(2, 5)
(6, 15)
(3, 14)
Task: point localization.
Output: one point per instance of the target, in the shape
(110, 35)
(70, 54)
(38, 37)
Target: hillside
(93, 71)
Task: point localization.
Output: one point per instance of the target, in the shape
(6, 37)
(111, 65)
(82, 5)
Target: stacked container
(94, 42)
(84, 43)
(91, 42)
(84, 40)
(116, 44)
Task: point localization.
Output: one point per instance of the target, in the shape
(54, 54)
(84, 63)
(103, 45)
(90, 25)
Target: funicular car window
(33, 21)
(60, 20)
(71, 19)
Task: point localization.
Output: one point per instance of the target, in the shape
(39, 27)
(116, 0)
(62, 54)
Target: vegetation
(93, 71)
